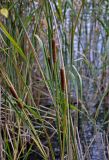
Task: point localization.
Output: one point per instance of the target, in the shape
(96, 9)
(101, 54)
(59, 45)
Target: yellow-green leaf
(15, 44)
(4, 12)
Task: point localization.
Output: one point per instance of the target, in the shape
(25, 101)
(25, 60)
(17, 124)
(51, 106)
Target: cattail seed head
(49, 62)
(13, 92)
(62, 74)
(54, 51)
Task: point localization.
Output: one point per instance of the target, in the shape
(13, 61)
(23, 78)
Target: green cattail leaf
(15, 44)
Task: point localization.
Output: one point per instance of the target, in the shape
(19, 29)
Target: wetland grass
(41, 75)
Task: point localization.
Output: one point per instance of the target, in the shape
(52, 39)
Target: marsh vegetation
(54, 80)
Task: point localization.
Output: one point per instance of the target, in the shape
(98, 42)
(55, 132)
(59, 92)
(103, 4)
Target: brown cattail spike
(49, 62)
(13, 92)
(54, 51)
(62, 74)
